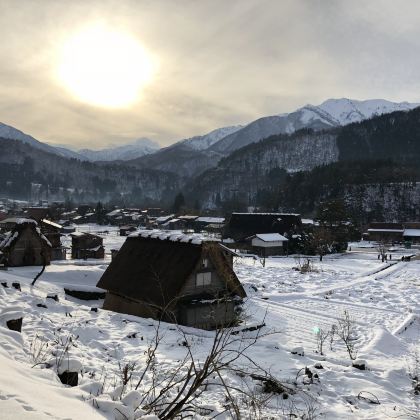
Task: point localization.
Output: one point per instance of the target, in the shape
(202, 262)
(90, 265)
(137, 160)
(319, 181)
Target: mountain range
(238, 164)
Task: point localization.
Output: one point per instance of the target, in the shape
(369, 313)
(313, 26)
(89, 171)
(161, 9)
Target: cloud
(219, 63)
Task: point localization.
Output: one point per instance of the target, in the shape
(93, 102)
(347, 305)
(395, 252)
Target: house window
(205, 263)
(203, 279)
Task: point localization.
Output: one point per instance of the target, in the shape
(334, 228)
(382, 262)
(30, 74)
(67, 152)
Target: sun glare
(104, 67)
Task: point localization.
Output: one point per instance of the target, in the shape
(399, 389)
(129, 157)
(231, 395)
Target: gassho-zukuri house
(173, 277)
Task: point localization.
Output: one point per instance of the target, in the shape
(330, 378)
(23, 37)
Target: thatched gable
(155, 270)
(25, 245)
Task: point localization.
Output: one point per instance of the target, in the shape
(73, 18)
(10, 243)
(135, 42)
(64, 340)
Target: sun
(104, 67)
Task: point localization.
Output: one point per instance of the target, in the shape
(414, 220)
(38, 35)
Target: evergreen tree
(179, 203)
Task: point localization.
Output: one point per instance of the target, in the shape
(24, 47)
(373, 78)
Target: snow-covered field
(381, 298)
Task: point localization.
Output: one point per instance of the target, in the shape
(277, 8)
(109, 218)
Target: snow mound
(384, 342)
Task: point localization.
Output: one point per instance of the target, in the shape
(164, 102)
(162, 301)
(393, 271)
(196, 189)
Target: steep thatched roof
(154, 270)
(21, 225)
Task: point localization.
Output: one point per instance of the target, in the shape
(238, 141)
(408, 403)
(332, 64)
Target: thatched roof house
(25, 245)
(174, 277)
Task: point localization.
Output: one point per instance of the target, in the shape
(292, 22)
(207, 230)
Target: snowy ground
(382, 298)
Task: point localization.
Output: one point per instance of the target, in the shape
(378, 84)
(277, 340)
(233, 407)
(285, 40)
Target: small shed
(266, 244)
(412, 236)
(86, 245)
(25, 245)
(127, 229)
(173, 277)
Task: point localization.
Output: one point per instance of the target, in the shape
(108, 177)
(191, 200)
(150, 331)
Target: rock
(69, 378)
(16, 286)
(94, 309)
(15, 324)
(360, 364)
(4, 284)
(298, 350)
(41, 305)
(318, 365)
(53, 297)
(12, 319)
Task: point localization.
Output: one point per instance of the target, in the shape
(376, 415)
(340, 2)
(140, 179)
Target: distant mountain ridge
(191, 157)
(331, 113)
(136, 149)
(9, 132)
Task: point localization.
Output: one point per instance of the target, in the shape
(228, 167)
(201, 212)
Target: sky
(213, 63)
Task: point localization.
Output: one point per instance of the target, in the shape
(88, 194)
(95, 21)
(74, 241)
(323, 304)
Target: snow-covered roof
(307, 221)
(114, 212)
(270, 237)
(49, 222)
(210, 219)
(387, 230)
(267, 214)
(174, 236)
(77, 234)
(411, 232)
(188, 217)
(163, 219)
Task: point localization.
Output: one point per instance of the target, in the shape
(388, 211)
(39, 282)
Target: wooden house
(385, 232)
(242, 226)
(25, 245)
(201, 223)
(173, 277)
(52, 232)
(37, 213)
(86, 245)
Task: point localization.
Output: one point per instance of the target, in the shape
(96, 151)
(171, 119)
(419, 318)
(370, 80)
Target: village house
(201, 223)
(385, 232)
(174, 277)
(242, 229)
(25, 245)
(86, 245)
(52, 232)
(37, 213)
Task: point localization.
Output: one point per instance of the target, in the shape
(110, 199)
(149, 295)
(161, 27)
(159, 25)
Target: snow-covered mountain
(207, 140)
(138, 148)
(331, 113)
(9, 132)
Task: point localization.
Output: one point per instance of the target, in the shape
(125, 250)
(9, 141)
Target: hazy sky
(216, 63)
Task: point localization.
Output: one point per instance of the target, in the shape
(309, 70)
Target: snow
(210, 219)
(383, 299)
(411, 232)
(136, 149)
(271, 237)
(345, 111)
(207, 140)
(174, 236)
(386, 230)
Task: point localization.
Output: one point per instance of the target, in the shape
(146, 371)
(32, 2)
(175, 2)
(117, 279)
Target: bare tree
(346, 331)
(321, 338)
